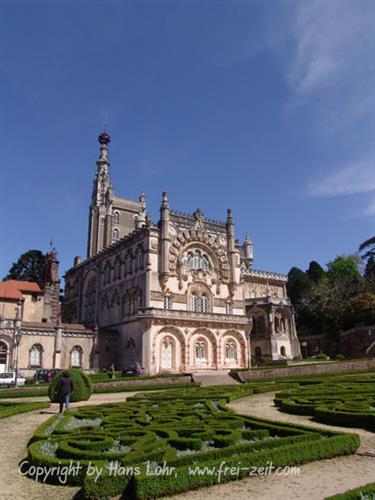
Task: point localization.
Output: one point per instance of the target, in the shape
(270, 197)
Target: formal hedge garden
(347, 401)
(158, 444)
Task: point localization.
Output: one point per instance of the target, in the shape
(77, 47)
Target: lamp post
(17, 335)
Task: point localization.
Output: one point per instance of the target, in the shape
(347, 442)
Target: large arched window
(231, 351)
(36, 355)
(199, 300)
(200, 350)
(115, 234)
(196, 259)
(116, 217)
(76, 356)
(3, 356)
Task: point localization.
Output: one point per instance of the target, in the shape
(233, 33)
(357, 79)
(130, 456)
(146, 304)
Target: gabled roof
(14, 290)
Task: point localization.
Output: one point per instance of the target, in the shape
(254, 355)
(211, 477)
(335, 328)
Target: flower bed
(347, 401)
(172, 431)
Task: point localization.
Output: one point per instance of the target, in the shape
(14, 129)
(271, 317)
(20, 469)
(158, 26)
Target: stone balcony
(194, 318)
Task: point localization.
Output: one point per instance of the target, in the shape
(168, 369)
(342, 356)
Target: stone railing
(152, 312)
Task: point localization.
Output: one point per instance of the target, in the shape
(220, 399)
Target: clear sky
(263, 106)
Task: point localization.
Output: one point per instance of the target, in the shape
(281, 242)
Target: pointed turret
(247, 251)
(100, 216)
(164, 236)
(140, 218)
(231, 246)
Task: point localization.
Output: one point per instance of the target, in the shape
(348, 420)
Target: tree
(368, 245)
(29, 267)
(315, 272)
(369, 273)
(360, 310)
(344, 270)
(297, 286)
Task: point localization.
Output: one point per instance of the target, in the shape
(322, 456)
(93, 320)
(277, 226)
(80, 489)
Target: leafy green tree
(360, 310)
(29, 267)
(297, 286)
(369, 274)
(344, 269)
(315, 272)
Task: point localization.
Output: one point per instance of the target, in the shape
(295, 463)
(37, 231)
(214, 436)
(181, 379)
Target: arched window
(139, 258)
(193, 302)
(283, 351)
(228, 308)
(76, 356)
(116, 217)
(197, 260)
(167, 354)
(204, 302)
(259, 326)
(115, 234)
(36, 355)
(200, 351)
(230, 351)
(3, 356)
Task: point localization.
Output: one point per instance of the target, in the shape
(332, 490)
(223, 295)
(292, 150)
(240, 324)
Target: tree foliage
(29, 267)
(326, 301)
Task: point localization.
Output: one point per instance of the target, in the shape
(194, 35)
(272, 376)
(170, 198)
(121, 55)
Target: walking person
(65, 390)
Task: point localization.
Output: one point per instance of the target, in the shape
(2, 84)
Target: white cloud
(334, 43)
(352, 179)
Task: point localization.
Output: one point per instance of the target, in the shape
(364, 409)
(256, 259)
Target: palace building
(177, 295)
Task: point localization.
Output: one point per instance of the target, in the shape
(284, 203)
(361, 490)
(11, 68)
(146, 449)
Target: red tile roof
(13, 289)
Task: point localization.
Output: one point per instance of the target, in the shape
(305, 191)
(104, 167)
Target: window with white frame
(197, 260)
(167, 302)
(204, 302)
(115, 234)
(76, 356)
(36, 355)
(228, 308)
(200, 350)
(116, 217)
(193, 302)
(230, 351)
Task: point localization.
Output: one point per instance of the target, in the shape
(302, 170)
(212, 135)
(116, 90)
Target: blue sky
(263, 106)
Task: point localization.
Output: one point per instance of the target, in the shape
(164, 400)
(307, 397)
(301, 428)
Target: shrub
(81, 386)
(340, 357)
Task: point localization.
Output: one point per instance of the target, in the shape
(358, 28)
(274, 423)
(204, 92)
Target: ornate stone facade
(179, 295)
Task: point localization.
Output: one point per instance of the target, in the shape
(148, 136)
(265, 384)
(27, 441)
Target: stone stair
(213, 377)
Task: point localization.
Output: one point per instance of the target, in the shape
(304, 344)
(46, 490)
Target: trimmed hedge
(81, 386)
(342, 401)
(9, 409)
(178, 428)
(361, 493)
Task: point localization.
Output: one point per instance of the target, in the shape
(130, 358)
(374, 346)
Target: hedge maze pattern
(341, 400)
(132, 443)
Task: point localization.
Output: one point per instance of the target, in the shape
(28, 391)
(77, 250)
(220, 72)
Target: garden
(347, 401)
(161, 443)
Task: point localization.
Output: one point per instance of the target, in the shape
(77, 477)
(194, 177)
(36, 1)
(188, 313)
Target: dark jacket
(65, 386)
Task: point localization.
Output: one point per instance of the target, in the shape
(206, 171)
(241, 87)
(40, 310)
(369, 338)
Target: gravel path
(316, 480)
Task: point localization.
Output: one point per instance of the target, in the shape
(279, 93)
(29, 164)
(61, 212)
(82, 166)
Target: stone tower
(110, 217)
